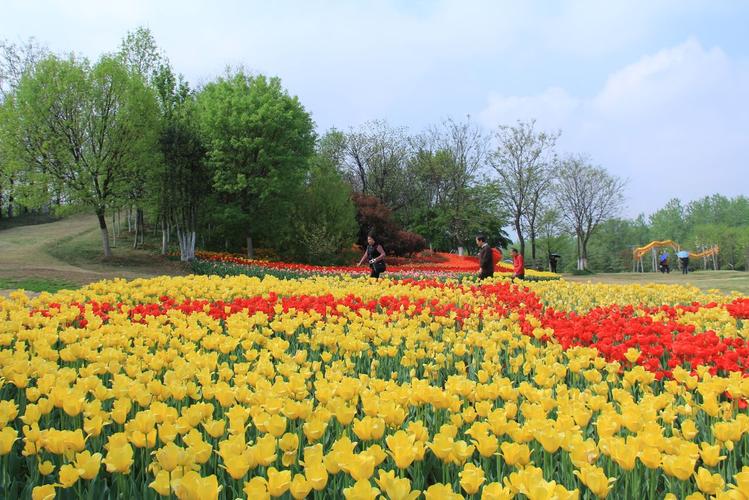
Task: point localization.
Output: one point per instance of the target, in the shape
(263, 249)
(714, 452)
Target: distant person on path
(684, 264)
(553, 259)
(663, 259)
(375, 256)
(486, 259)
(518, 266)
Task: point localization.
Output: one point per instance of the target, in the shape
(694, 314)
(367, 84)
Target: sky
(655, 91)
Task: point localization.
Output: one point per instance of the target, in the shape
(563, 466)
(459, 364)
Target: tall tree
(91, 130)
(142, 57)
(586, 196)
(15, 61)
(259, 141)
(522, 159)
(670, 222)
(374, 159)
(448, 203)
(325, 217)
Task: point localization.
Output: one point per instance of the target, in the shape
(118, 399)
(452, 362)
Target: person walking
(518, 265)
(553, 259)
(664, 267)
(684, 264)
(374, 254)
(486, 258)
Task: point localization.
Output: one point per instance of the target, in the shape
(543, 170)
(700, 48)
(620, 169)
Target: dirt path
(25, 253)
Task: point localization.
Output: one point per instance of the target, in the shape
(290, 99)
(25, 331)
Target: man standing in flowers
(486, 258)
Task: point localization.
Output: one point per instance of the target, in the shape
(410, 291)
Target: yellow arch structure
(638, 253)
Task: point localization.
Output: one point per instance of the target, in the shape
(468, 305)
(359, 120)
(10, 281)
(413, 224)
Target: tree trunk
(139, 228)
(11, 199)
(114, 231)
(519, 232)
(104, 233)
(250, 249)
(533, 242)
(582, 263)
(186, 245)
(142, 222)
(164, 237)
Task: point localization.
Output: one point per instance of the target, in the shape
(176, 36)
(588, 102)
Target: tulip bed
(336, 386)
(448, 266)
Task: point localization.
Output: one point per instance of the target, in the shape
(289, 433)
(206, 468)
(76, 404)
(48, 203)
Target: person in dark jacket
(374, 254)
(486, 258)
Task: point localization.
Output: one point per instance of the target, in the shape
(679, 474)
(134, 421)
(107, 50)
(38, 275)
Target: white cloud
(674, 123)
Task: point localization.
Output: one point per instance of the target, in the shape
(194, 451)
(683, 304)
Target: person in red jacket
(518, 266)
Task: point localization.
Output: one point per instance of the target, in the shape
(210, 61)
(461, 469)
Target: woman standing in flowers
(375, 255)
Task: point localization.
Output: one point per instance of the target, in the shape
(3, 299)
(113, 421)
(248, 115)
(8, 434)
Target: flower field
(444, 265)
(333, 385)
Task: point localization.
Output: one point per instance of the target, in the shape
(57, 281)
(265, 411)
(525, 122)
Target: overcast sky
(656, 91)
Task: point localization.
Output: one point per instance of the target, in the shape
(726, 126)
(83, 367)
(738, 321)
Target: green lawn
(725, 281)
(36, 284)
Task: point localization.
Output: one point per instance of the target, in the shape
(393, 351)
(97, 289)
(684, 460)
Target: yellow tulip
(257, 487)
(46, 492)
(289, 442)
(680, 467)
(624, 453)
(742, 479)
(486, 444)
(396, 488)
(161, 483)
(362, 490)
(88, 465)
(8, 436)
(68, 475)
(300, 487)
(277, 425)
(516, 454)
(119, 459)
(650, 457)
(595, 479)
(265, 450)
(688, 429)
(360, 467)
(495, 491)
(708, 483)
(471, 478)
(402, 449)
(169, 456)
(710, 454)
(441, 492)
(46, 468)
(278, 481)
(316, 474)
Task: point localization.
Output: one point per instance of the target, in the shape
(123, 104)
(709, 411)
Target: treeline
(237, 165)
(712, 220)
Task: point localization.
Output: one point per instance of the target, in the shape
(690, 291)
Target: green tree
(91, 130)
(325, 217)
(522, 159)
(259, 141)
(586, 197)
(670, 222)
